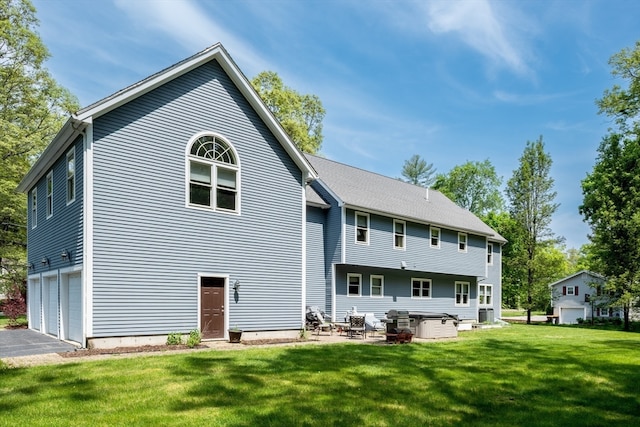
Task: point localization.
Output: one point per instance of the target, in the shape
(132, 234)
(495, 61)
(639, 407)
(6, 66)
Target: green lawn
(519, 375)
(4, 321)
(516, 313)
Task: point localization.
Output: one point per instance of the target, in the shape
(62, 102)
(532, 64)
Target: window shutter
(564, 290)
(576, 290)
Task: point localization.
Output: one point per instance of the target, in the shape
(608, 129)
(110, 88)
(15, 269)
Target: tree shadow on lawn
(488, 382)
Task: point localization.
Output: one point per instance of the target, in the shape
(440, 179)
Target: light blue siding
(316, 275)
(149, 247)
(63, 230)
(397, 293)
(418, 254)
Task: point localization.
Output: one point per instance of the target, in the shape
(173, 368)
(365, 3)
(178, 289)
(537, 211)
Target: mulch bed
(164, 347)
(127, 350)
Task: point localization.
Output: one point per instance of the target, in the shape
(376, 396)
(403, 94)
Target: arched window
(213, 174)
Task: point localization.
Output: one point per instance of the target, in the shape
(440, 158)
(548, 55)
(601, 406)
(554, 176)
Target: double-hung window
(377, 286)
(49, 194)
(354, 285)
(462, 294)
(421, 288)
(362, 228)
(34, 207)
(213, 174)
(71, 175)
(399, 234)
(489, 253)
(485, 295)
(462, 242)
(435, 237)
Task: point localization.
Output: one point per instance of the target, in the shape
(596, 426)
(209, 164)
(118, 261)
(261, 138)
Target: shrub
(15, 305)
(194, 338)
(580, 320)
(174, 338)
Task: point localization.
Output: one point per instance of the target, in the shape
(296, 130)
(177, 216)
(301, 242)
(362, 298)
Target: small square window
(421, 288)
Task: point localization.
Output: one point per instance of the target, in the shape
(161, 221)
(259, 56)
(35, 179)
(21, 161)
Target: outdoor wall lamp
(45, 261)
(236, 285)
(64, 254)
(30, 266)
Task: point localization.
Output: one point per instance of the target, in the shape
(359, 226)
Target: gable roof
(78, 122)
(368, 191)
(587, 272)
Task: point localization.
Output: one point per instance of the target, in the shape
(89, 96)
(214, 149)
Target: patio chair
(357, 326)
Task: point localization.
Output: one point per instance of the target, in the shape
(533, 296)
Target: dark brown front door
(212, 307)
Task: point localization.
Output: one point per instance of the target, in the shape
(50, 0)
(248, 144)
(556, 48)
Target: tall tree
(300, 115)
(474, 186)
(612, 190)
(32, 106)
(417, 171)
(530, 193)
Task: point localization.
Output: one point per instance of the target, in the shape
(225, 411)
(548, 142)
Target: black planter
(234, 336)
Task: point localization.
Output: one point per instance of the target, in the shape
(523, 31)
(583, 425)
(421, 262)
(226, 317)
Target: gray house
(581, 296)
(383, 244)
(179, 203)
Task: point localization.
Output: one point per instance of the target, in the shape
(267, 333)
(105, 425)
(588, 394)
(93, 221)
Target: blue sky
(452, 81)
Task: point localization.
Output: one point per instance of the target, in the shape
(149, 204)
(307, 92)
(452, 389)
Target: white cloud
(191, 26)
(480, 25)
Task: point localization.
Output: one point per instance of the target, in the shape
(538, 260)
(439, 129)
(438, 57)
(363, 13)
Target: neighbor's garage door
(571, 315)
(74, 331)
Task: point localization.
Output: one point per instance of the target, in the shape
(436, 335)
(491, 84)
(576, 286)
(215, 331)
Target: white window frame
(402, 236)
(460, 302)
(367, 230)
(49, 187)
(34, 207)
(422, 288)
(215, 166)
(359, 277)
(71, 176)
(437, 237)
(489, 253)
(571, 290)
(463, 242)
(371, 285)
(485, 299)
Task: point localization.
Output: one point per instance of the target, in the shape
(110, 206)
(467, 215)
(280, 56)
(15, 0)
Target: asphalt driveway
(25, 342)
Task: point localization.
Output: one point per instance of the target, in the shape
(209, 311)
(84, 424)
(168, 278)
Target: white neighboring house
(580, 296)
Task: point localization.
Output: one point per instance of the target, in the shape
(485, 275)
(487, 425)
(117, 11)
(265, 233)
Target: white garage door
(50, 305)
(74, 319)
(35, 303)
(571, 315)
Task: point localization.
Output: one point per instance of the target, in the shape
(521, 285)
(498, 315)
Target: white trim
(333, 292)
(343, 218)
(466, 242)
(66, 172)
(225, 298)
(49, 198)
(359, 276)
(404, 235)
(303, 302)
(355, 228)
(214, 175)
(34, 207)
(486, 285)
(87, 232)
(421, 279)
(455, 292)
(376, 276)
(431, 229)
